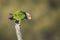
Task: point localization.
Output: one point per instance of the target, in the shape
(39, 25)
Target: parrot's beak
(28, 15)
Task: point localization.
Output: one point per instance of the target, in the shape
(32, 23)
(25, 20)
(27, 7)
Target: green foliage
(18, 15)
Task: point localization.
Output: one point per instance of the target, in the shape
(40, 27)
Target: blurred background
(45, 23)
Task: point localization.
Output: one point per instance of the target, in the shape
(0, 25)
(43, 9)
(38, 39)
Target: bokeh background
(45, 23)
